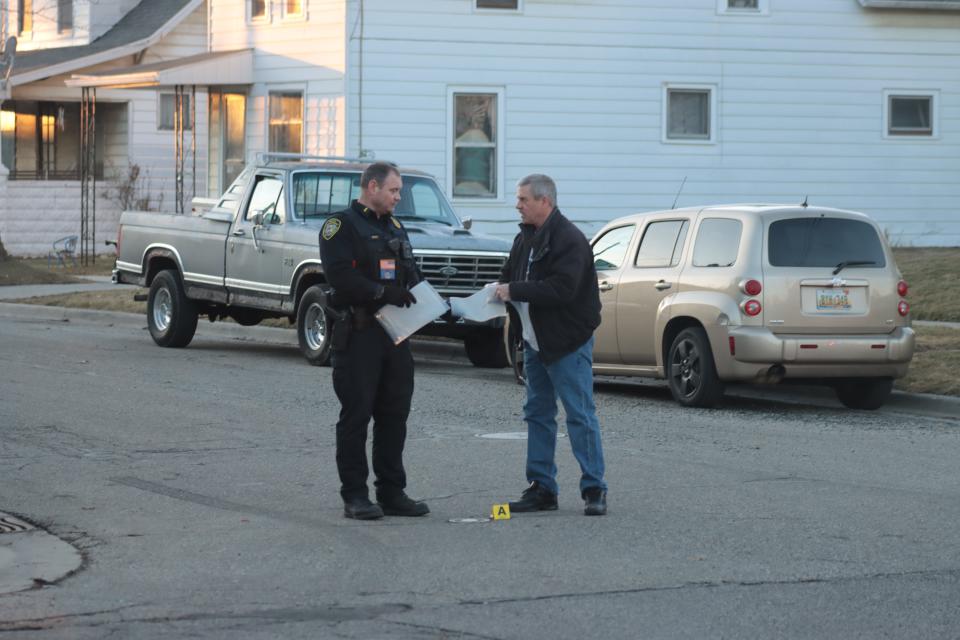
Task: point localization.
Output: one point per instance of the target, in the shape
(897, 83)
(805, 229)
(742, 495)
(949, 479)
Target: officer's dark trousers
(372, 378)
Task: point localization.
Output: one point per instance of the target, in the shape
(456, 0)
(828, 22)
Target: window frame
(724, 9)
(451, 156)
(496, 10)
(932, 94)
(65, 26)
(300, 16)
(160, 125)
(25, 10)
(267, 16)
(286, 88)
(712, 100)
(633, 227)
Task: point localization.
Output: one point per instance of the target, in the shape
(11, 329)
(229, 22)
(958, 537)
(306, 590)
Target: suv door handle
(605, 286)
(662, 285)
(239, 232)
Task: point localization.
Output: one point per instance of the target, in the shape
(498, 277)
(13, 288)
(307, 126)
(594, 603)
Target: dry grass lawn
(933, 274)
(14, 271)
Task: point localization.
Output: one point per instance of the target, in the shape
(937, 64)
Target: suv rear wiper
(852, 263)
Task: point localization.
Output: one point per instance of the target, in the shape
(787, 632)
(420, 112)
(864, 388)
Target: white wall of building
(304, 53)
(799, 108)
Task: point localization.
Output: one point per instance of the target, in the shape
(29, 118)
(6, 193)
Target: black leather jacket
(552, 269)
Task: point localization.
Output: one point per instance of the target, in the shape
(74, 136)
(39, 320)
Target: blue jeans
(570, 378)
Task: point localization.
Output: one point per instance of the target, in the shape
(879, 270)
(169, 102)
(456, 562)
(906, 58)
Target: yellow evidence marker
(500, 512)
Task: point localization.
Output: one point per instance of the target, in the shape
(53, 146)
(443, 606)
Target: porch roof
(935, 5)
(142, 27)
(218, 68)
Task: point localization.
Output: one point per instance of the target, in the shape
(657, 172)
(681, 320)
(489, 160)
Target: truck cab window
(267, 198)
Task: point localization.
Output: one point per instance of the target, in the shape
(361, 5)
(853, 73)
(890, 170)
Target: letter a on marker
(501, 512)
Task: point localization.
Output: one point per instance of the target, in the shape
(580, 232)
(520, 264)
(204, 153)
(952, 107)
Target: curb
(30, 557)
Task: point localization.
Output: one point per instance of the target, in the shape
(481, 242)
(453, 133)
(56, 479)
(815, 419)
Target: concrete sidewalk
(93, 283)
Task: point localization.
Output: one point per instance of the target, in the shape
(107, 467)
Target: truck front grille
(460, 273)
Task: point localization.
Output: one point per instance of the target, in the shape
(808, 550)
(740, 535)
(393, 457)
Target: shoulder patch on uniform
(396, 223)
(330, 228)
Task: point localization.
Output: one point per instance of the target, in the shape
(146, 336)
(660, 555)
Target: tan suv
(753, 293)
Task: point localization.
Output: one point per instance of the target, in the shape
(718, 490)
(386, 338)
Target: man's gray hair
(541, 186)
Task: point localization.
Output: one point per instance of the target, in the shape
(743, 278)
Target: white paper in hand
(479, 307)
(402, 322)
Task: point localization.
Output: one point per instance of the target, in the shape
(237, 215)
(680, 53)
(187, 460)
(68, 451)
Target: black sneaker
(535, 498)
(402, 505)
(361, 509)
(594, 501)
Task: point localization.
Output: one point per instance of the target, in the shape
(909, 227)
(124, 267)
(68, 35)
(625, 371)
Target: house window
(292, 8)
(168, 109)
(475, 139)
(910, 115)
(258, 9)
(64, 15)
(689, 114)
(24, 16)
(512, 5)
(286, 121)
(743, 7)
(41, 140)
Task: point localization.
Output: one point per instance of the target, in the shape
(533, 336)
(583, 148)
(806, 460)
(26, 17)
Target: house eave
(104, 56)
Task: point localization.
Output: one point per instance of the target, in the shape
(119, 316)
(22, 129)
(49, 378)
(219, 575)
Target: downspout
(360, 89)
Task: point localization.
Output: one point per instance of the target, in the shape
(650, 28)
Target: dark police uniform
(372, 377)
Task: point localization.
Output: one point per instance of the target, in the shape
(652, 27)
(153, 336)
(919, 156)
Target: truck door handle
(239, 232)
(662, 285)
(605, 286)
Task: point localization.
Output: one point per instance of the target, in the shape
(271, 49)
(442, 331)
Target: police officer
(368, 261)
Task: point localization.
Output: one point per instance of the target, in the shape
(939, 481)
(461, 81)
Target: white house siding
(307, 54)
(800, 103)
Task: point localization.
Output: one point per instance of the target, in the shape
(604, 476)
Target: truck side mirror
(467, 223)
(257, 218)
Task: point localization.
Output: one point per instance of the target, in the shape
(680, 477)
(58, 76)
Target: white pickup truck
(255, 255)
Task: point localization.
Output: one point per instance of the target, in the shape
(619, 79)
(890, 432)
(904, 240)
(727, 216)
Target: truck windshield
(318, 194)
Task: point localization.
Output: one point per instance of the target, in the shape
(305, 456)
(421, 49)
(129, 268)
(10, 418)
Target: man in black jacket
(551, 281)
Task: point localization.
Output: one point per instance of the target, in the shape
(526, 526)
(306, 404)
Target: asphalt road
(200, 486)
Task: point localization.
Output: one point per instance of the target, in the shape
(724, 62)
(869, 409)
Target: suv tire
(864, 394)
(690, 370)
(485, 348)
(314, 326)
(171, 317)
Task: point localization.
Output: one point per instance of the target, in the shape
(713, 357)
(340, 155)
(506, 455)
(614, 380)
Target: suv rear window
(824, 242)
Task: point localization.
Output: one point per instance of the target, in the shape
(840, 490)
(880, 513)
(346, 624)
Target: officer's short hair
(377, 171)
(541, 186)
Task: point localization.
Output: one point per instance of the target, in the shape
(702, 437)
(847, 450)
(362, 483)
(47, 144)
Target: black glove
(396, 295)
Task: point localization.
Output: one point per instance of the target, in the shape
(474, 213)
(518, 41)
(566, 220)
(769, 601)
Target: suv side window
(267, 198)
(317, 195)
(718, 243)
(611, 248)
(662, 243)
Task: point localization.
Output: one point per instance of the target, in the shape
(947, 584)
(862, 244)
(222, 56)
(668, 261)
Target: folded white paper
(479, 307)
(402, 322)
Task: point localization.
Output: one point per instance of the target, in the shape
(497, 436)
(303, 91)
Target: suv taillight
(902, 288)
(752, 287)
(903, 308)
(752, 307)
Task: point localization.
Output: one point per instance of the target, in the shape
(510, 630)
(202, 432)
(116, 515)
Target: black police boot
(535, 498)
(361, 509)
(594, 501)
(401, 504)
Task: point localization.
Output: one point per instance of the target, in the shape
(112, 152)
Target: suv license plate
(833, 300)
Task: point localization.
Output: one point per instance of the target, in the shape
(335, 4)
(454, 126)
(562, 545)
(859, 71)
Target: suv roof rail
(267, 157)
